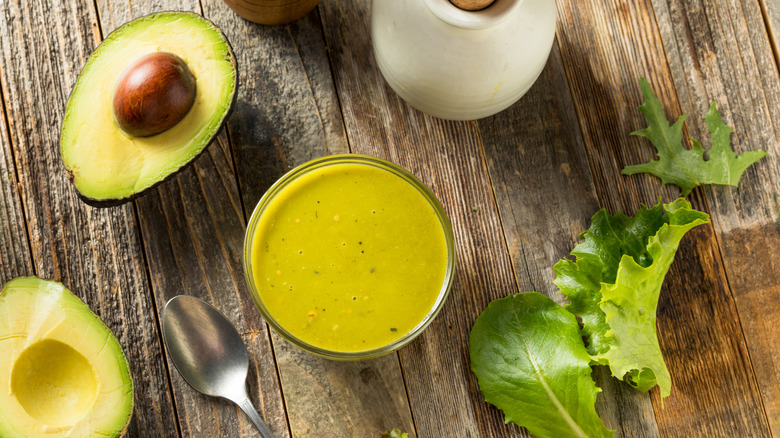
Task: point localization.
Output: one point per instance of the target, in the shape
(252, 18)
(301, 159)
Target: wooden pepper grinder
(272, 11)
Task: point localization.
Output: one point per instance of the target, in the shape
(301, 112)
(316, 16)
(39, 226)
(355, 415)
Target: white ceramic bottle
(458, 64)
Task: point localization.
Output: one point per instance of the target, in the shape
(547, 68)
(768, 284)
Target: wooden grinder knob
(472, 5)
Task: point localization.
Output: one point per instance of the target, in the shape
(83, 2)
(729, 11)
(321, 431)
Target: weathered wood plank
(14, 244)
(324, 397)
(721, 50)
(287, 113)
(193, 230)
(544, 191)
(606, 46)
(447, 156)
(96, 253)
(771, 12)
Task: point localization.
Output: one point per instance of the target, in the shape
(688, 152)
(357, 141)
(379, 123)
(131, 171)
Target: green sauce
(349, 257)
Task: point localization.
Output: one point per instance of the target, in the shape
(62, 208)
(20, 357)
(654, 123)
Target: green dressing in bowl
(349, 255)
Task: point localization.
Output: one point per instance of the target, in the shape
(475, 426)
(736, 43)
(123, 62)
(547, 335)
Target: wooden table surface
(519, 187)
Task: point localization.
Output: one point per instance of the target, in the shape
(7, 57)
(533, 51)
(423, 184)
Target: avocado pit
(153, 94)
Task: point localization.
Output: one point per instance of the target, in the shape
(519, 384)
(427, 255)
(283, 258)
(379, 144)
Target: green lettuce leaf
(615, 283)
(598, 257)
(687, 168)
(529, 359)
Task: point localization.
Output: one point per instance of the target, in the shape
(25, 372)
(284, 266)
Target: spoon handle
(251, 412)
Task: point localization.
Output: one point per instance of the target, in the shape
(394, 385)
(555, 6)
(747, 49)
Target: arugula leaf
(686, 168)
(529, 359)
(615, 284)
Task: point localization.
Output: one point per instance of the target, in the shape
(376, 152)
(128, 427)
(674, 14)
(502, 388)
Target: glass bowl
(299, 187)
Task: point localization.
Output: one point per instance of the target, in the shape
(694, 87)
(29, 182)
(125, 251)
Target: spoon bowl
(209, 353)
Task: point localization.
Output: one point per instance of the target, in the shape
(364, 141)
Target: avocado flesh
(108, 164)
(62, 371)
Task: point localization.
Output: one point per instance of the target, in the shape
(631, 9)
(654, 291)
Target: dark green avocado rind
(113, 202)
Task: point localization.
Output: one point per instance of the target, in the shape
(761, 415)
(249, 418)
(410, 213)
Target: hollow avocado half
(62, 371)
(108, 165)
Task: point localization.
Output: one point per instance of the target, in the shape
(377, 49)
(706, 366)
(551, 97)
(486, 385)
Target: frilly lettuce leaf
(687, 168)
(598, 257)
(615, 283)
(528, 356)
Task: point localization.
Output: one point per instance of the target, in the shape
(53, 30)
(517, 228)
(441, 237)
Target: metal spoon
(208, 352)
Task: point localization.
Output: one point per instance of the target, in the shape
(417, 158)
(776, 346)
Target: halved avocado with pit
(142, 72)
(62, 371)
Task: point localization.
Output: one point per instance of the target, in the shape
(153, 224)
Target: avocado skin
(114, 202)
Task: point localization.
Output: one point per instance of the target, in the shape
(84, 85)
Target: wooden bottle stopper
(472, 5)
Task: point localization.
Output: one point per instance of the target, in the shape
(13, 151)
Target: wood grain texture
(329, 398)
(287, 113)
(447, 157)
(545, 196)
(95, 253)
(771, 12)
(14, 244)
(606, 46)
(193, 230)
(722, 50)
(753, 262)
